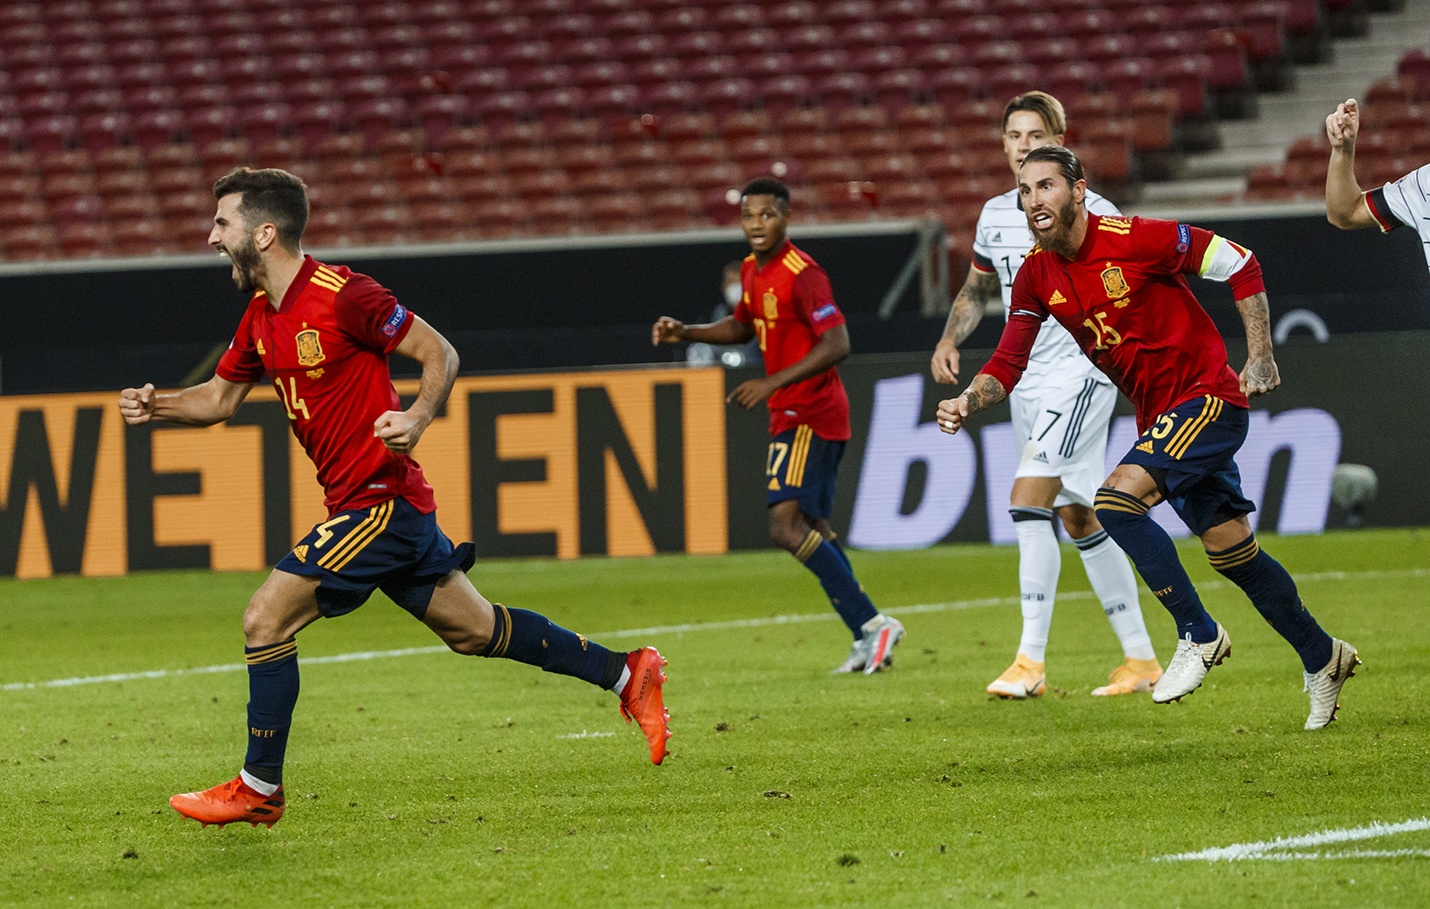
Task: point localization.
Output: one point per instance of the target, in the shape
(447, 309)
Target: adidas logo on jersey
(774, 485)
(1056, 298)
(1145, 447)
(301, 552)
(997, 238)
(1041, 457)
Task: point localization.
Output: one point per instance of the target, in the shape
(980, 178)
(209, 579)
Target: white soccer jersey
(1000, 241)
(1406, 202)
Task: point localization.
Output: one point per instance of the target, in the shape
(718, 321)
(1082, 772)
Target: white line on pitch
(1242, 851)
(679, 629)
(609, 635)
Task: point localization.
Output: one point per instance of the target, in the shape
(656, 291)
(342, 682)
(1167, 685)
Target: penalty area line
(1306, 578)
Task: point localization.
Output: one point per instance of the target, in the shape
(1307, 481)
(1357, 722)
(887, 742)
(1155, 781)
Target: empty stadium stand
(445, 120)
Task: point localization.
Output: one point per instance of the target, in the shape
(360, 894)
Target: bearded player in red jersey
(1117, 286)
(322, 334)
(787, 302)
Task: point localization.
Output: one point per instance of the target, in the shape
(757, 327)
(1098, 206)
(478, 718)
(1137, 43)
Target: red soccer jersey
(790, 303)
(1125, 302)
(326, 351)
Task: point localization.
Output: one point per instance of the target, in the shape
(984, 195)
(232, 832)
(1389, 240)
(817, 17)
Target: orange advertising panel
(583, 463)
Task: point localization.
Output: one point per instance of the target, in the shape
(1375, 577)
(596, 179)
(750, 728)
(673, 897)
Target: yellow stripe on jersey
(1189, 431)
(329, 280)
(1116, 227)
(358, 538)
(794, 263)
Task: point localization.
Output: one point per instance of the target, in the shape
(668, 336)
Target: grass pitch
(430, 779)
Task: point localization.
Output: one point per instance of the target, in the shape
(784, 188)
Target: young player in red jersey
(787, 302)
(1117, 286)
(323, 335)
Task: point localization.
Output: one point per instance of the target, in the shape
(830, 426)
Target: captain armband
(1229, 262)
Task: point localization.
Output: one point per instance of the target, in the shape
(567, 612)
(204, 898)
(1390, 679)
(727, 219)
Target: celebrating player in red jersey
(788, 304)
(1117, 286)
(323, 334)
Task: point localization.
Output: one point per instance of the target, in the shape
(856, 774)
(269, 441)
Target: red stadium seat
(600, 72)
(677, 209)
(1153, 114)
(555, 215)
(556, 105)
(613, 103)
(726, 96)
(104, 130)
(842, 90)
(1125, 78)
(755, 43)
(913, 36)
(618, 213)
(953, 87)
(687, 127)
(1269, 184)
(785, 93)
(669, 98)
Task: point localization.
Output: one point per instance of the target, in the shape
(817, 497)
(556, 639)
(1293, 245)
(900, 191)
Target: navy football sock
(532, 638)
(272, 692)
(1273, 593)
(845, 593)
(833, 539)
(1125, 519)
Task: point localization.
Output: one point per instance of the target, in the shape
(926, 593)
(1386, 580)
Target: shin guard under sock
(272, 692)
(845, 594)
(1040, 560)
(1273, 593)
(1125, 519)
(833, 539)
(532, 638)
(1116, 587)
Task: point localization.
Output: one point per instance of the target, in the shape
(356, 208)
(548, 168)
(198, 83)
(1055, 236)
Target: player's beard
(245, 261)
(1055, 237)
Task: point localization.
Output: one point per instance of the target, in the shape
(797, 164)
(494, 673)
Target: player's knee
(786, 533)
(259, 627)
(1079, 521)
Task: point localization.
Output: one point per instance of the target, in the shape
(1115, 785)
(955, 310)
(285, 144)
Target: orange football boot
(229, 802)
(642, 700)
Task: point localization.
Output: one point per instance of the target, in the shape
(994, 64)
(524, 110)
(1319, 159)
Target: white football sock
(625, 677)
(1112, 580)
(257, 785)
(1039, 561)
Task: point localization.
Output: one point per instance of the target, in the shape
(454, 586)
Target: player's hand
(1343, 125)
(667, 331)
(136, 405)
(951, 414)
(398, 430)
(1260, 377)
(945, 362)
(748, 394)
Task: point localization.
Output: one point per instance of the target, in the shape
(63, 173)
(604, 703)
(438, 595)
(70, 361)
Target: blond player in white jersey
(1061, 411)
(1404, 203)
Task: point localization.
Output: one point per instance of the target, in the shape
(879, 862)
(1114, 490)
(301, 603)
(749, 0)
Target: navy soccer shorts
(802, 466)
(392, 547)
(1189, 450)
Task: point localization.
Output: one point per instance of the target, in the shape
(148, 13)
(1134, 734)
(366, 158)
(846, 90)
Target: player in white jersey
(1061, 410)
(1404, 203)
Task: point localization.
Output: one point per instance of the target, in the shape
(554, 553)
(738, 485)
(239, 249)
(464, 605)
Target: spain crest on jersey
(1114, 283)
(310, 349)
(772, 305)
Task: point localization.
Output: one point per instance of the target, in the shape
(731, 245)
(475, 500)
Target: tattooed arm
(1260, 375)
(983, 392)
(968, 307)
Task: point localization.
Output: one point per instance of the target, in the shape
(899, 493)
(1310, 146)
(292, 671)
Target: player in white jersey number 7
(1061, 411)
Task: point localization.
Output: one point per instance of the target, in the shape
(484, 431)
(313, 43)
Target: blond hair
(1042, 104)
